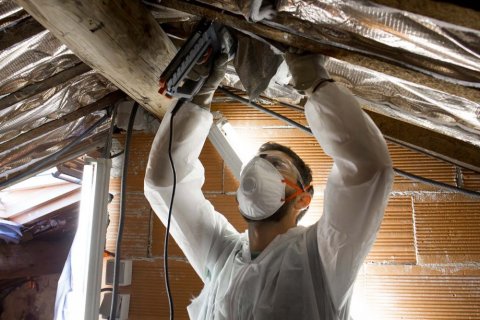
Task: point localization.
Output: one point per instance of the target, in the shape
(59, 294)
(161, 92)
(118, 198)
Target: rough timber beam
(449, 149)
(119, 39)
(296, 40)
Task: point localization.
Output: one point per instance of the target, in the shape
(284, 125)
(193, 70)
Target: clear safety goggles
(284, 165)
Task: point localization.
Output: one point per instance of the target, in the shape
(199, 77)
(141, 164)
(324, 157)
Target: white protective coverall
(305, 273)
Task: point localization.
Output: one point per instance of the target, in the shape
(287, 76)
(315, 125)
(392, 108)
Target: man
(277, 270)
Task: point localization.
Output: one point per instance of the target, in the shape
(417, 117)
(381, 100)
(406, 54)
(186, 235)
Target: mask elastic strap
(296, 187)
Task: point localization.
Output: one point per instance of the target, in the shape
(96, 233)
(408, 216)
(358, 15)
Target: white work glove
(307, 70)
(205, 95)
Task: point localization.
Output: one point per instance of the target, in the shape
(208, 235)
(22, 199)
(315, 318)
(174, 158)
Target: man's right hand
(307, 70)
(205, 95)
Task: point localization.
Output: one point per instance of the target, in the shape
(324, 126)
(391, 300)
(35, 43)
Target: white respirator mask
(262, 189)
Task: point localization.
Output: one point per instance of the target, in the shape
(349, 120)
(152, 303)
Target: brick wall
(425, 263)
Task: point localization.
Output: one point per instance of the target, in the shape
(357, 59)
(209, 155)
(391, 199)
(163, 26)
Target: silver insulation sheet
(34, 60)
(10, 13)
(52, 104)
(341, 22)
(420, 105)
(17, 159)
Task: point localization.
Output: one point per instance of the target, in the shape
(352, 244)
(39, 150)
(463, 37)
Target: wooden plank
(103, 103)
(119, 39)
(39, 87)
(21, 31)
(441, 146)
(58, 203)
(306, 42)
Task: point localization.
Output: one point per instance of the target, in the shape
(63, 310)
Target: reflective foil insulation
(435, 47)
(31, 61)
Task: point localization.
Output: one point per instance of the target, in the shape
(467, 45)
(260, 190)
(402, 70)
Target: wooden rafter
(94, 29)
(119, 39)
(449, 149)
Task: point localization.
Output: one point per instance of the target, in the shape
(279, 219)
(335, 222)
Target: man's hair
(303, 169)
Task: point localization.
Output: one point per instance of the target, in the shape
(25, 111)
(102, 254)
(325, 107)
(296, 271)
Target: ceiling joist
(440, 146)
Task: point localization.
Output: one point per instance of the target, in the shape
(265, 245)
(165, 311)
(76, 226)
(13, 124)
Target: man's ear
(303, 201)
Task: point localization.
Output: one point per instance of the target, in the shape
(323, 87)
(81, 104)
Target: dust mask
(262, 190)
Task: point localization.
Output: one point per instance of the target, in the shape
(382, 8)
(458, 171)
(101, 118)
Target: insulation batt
(305, 273)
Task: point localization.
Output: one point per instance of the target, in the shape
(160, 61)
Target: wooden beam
(309, 44)
(50, 207)
(39, 87)
(119, 39)
(34, 258)
(21, 31)
(449, 149)
(103, 103)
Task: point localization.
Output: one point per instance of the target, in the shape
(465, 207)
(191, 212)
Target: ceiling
(64, 64)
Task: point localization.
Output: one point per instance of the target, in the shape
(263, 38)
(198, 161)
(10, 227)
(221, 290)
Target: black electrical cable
(167, 233)
(123, 189)
(265, 110)
(54, 156)
(309, 131)
(434, 183)
(116, 154)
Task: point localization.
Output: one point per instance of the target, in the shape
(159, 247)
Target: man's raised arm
(360, 180)
(198, 229)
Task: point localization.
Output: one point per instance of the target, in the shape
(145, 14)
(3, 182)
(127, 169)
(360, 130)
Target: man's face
(284, 164)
